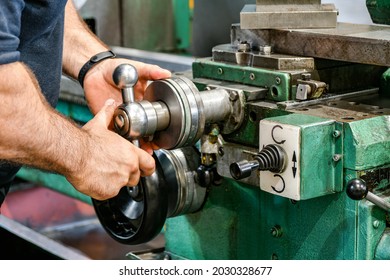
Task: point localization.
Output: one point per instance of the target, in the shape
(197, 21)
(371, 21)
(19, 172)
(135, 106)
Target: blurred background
(180, 26)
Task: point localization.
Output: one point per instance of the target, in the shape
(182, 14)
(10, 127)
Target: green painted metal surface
(77, 112)
(237, 223)
(382, 252)
(317, 148)
(248, 133)
(379, 11)
(370, 221)
(182, 15)
(385, 83)
(52, 181)
(367, 143)
(161, 26)
(278, 83)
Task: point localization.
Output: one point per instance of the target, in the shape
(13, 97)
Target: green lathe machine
(276, 147)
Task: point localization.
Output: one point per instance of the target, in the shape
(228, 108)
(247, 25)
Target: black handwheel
(136, 215)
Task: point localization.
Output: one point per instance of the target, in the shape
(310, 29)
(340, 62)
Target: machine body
(276, 147)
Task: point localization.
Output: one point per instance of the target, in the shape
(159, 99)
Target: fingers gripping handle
(137, 214)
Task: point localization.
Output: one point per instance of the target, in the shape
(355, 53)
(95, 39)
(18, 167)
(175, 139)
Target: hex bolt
(337, 157)
(376, 224)
(306, 76)
(244, 47)
(266, 50)
(336, 133)
(276, 231)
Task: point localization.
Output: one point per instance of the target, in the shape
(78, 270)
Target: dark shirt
(31, 32)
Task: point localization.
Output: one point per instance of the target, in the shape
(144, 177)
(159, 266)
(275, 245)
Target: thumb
(106, 113)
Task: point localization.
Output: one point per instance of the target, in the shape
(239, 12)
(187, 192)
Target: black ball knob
(357, 189)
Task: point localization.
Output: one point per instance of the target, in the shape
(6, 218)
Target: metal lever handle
(243, 169)
(272, 157)
(125, 77)
(357, 190)
(137, 214)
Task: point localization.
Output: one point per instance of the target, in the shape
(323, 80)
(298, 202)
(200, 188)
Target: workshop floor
(69, 221)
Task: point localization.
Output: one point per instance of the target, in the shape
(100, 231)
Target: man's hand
(80, 44)
(99, 85)
(112, 162)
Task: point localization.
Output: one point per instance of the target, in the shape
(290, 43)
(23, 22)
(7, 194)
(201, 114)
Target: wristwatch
(92, 62)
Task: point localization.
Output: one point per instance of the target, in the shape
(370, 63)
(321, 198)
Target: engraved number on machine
(287, 182)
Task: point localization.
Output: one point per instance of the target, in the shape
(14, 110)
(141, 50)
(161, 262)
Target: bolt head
(336, 157)
(306, 76)
(376, 224)
(276, 231)
(266, 50)
(336, 133)
(244, 47)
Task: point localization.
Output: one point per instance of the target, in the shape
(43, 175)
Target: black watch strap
(93, 61)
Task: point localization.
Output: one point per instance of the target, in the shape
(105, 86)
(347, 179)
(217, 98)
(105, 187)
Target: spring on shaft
(271, 158)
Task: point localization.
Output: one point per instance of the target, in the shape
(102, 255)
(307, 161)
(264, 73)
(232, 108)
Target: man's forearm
(31, 132)
(95, 160)
(80, 44)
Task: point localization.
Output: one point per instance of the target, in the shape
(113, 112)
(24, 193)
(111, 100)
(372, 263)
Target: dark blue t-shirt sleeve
(10, 18)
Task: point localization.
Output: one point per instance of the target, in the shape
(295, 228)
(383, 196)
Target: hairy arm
(95, 160)
(80, 44)
(31, 131)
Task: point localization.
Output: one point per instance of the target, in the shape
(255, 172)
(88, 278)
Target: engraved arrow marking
(294, 168)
